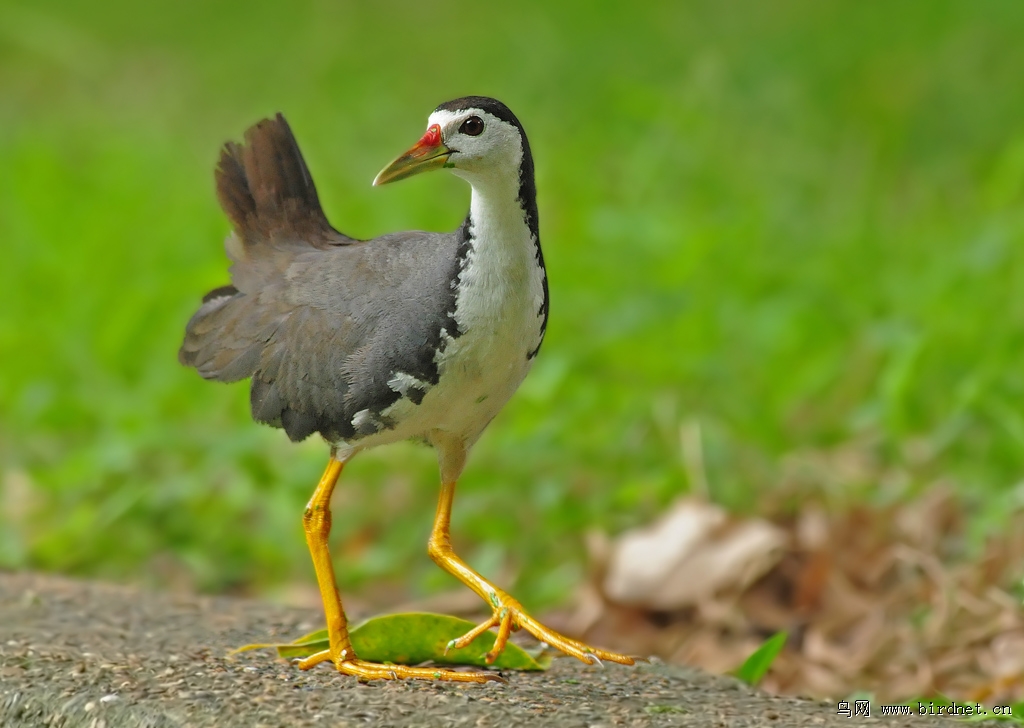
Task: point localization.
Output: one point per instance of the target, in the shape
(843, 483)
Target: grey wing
(321, 322)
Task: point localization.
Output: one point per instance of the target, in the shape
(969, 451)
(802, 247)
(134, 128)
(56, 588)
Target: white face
(481, 143)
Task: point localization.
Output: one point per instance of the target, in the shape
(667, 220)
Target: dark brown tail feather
(265, 188)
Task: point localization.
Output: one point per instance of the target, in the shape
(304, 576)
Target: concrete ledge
(76, 653)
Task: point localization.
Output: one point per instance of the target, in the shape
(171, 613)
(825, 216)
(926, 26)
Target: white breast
(498, 309)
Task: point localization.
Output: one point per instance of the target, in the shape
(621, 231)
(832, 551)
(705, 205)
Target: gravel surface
(76, 653)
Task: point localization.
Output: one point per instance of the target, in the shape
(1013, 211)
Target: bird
(409, 335)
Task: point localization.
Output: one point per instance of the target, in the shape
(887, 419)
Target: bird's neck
(498, 256)
(501, 267)
(496, 212)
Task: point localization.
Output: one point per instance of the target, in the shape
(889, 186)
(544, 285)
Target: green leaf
(754, 668)
(413, 638)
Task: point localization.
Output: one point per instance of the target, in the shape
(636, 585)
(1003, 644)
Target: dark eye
(473, 126)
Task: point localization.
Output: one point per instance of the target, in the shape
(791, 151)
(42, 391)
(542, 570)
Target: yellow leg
(317, 523)
(508, 613)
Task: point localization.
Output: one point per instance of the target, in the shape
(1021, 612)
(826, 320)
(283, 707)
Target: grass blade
(755, 667)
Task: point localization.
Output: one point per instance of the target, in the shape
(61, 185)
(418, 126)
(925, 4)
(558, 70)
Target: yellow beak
(426, 154)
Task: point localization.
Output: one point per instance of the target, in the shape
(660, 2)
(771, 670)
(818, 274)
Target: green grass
(796, 223)
(756, 666)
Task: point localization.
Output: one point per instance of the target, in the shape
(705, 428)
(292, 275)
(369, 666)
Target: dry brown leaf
(875, 599)
(690, 555)
(643, 559)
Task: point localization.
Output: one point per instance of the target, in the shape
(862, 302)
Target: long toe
(509, 615)
(366, 670)
(575, 648)
(376, 671)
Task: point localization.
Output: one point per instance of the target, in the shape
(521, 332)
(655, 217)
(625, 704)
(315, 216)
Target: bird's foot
(509, 616)
(348, 664)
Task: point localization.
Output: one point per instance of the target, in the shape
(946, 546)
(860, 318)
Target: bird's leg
(508, 614)
(317, 523)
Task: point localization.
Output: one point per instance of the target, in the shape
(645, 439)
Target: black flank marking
(461, 260)
(424, 367)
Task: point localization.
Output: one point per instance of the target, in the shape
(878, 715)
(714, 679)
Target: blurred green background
(785, 226)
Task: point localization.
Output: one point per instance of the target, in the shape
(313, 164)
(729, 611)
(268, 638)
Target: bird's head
(473, 136)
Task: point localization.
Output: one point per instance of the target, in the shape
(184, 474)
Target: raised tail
(266, 190)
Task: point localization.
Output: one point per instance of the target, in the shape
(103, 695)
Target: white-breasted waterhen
(409, 335)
